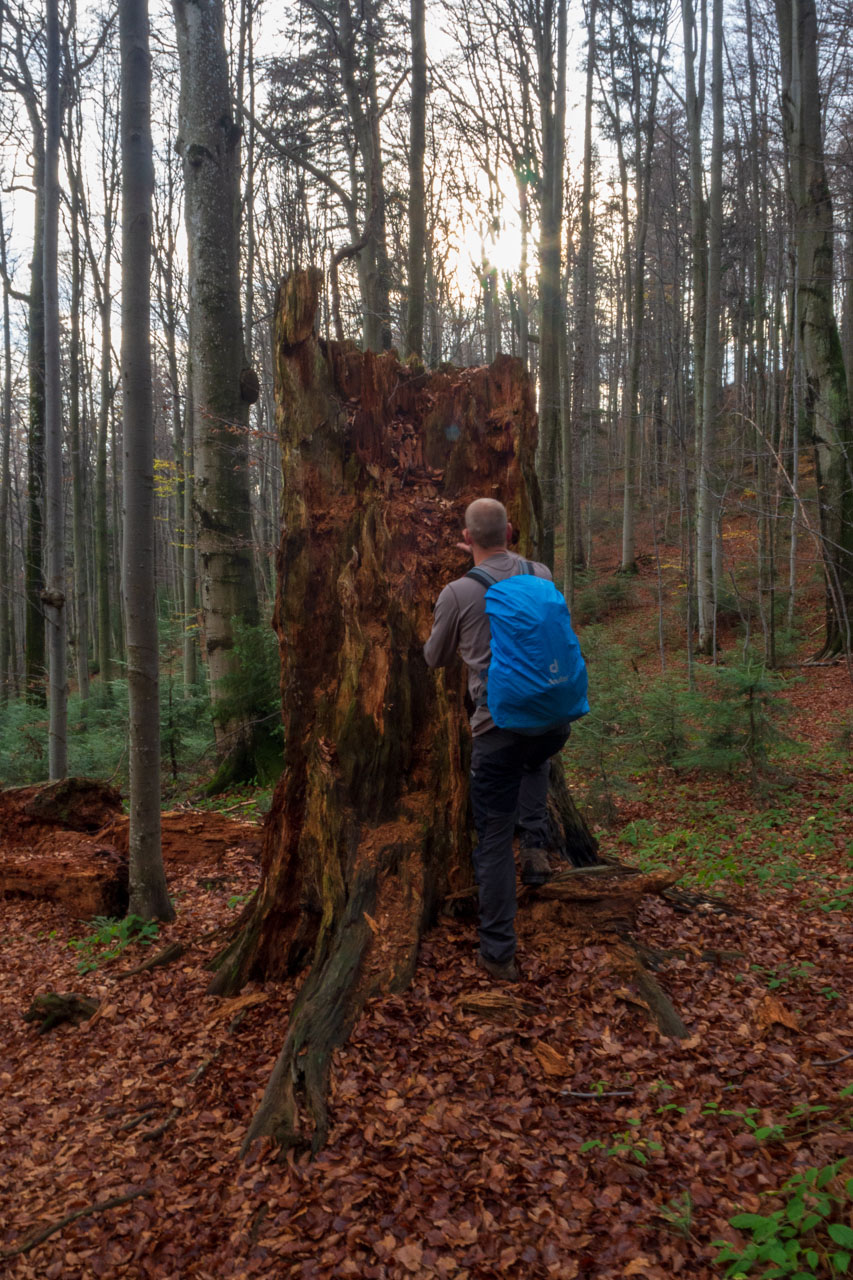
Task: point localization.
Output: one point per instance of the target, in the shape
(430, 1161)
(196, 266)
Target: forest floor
(572, 1139)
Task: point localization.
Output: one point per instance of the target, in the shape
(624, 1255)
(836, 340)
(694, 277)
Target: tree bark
(369, 829)
(53, 596)
(81, 602)
(209, 144)
(582, 316)
(417, 193)
(827, 405)
(149, 897)
(707, 497)
(551, 54)
(7, 655)
(34, 624)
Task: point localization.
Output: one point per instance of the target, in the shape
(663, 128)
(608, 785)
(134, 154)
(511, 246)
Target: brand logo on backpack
(537, 678)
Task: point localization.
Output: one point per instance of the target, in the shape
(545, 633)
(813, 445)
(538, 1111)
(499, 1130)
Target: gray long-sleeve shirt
(460, 622)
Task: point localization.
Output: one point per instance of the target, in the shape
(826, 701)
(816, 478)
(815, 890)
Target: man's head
(486, 525)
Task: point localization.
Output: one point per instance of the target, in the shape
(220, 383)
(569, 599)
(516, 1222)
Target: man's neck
(481, 554)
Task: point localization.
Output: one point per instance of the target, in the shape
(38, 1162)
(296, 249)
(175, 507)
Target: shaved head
(486, 522)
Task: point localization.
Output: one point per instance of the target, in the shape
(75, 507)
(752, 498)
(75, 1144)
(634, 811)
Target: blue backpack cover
(537, 678)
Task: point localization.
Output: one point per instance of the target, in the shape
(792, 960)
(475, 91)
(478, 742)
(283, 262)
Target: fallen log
(67, 842)
(52, 1009)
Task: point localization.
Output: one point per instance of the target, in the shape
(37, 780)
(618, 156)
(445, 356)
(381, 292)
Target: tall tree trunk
(552, 104)
(34, 624)
(102, 532)
(369, 828)
(53, 595)
(221, 388)
(707, 496)
(7, 655)
(81, 601)
(417, 193)
(766, 522)
(694, 85)
(644, 123)
(582, 310)
(827, 405)
(358, 76)
(189, 592)
(149, 896)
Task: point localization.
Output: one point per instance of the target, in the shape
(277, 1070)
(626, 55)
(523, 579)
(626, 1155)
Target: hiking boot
(506, 972)
(535, 867)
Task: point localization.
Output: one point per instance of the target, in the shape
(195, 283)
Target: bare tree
(149, 895)
(826, 398)
(221, 386)
(417, 195)
(53, 595)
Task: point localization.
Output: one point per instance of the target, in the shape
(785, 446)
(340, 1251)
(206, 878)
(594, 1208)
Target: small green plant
(628, 1144)
(109, 938)
(238, 899)
(781, 975)
(596, 600)
(677, 1213)
(738, 715)
(804, 1238)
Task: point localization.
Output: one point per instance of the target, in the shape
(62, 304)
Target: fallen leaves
(551, 1062)
(771, 1010)
(459, 1110)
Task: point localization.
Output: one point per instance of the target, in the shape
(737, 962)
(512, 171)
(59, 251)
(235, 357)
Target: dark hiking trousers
(509, 788)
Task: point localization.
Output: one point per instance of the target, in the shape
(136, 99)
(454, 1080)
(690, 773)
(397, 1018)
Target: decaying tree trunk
(68, 842)
(369, 830)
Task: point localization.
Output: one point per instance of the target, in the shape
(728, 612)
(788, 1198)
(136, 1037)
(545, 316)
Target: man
(509, 771)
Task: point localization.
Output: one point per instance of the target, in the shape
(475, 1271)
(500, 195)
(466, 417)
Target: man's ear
(508, 534)
(466, 536)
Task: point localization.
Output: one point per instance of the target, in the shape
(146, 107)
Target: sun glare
(478, 246)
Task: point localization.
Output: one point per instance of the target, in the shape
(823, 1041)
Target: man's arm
(444, 637)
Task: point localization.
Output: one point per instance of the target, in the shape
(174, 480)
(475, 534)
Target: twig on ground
(86, 1212)
(147, 1114)
(833, 1062)
(595, 1094)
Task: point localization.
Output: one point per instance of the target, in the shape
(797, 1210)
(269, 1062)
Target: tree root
(173, 951)
(660, 1005)
(325, 1012)
(87, 1211)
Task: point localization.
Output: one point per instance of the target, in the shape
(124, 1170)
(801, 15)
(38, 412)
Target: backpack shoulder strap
(482, 576)
(527, 567)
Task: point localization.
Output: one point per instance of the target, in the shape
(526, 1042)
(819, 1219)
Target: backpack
(537, 678)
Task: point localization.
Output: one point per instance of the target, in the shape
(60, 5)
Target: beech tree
(18, 74)
(826, 395)
(53, 595)
(417, 193)
(149, 897)
(221, 385)
(707, 482)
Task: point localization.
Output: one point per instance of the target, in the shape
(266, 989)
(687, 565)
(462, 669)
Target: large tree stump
(369, 829)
